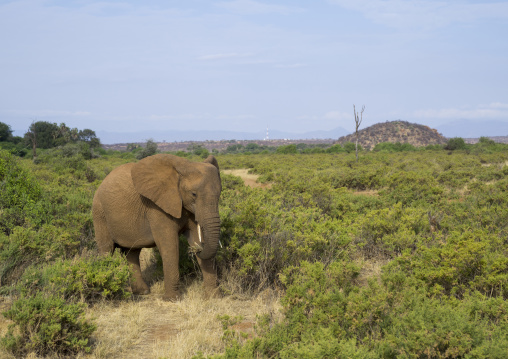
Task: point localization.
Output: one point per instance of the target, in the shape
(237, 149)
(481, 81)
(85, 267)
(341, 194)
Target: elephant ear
(156, 178)
(212, 160)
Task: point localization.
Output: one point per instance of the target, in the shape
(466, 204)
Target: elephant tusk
(220, 243)
(199, 233)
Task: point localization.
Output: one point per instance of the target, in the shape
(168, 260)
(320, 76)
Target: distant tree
(289, 149)
(234, 148)
(358, 122)
(44, 133)
(149, 150)
(486, 141)
(456, 143)
(64, 135)
(199, 150)
(89, 137)
(351, 147)
(337, 148)
(253, 147)
(132, 146)
(5, 132)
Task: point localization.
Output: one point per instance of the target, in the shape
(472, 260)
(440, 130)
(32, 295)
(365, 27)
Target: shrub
(350, 147)
(456, 143)
(462, 262)
(328, 316)
(87, 279)
(149, 150)
(26, 246)
(337, 148)
(47, 324)
(408, 187)
(288, 149)
(393, 147)
(21, 197)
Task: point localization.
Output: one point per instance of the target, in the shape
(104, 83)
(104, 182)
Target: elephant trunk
(210, 227)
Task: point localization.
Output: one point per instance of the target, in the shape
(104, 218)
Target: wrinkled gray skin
(149, 203)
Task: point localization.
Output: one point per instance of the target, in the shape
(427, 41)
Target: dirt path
(248, 178)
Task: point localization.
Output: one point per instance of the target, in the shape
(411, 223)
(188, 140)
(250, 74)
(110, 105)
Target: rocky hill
(396, 131)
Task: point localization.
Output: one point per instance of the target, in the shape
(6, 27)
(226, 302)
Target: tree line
(44, 135)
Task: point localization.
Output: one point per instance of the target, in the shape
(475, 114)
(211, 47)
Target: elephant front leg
(169, 254)
(138, 285)
(208, 267)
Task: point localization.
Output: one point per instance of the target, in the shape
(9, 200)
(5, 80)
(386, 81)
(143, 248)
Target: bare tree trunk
(358, 122)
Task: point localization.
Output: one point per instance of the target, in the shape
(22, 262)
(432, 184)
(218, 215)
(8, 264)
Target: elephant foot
(140, 289)
(142, 292)
(211, 292)
(171, 297)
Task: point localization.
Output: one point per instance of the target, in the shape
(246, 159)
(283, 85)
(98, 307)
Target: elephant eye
(194, 194)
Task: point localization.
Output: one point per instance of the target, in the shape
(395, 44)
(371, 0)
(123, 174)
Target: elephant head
(174, 184)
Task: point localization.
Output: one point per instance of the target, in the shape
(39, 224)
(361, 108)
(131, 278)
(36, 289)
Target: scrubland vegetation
(401, 255)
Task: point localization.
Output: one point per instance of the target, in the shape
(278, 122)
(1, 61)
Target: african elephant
(151, 202)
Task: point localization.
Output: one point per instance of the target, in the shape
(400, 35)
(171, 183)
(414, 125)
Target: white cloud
(256, 7)
(494, 110)
(425, 14)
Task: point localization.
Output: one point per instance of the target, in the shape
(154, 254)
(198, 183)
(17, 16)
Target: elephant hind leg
(103, 238)
(138, 285)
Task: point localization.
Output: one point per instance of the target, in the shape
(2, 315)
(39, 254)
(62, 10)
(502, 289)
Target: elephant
(150, 203)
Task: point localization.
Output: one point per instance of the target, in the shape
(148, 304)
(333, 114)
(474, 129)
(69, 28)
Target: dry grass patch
(371, 269)
(148, 327)
(371, 192)
(119, 326)
(249, 179)
(5, 303)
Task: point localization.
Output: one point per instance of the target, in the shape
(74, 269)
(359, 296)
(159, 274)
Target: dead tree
(358, 122)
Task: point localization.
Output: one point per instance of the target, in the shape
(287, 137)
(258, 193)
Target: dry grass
(249, 179)
(370, 192)
(153, 328)
(5, 303)
(371, 269)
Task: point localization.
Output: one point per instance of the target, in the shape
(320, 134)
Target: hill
(396, 131)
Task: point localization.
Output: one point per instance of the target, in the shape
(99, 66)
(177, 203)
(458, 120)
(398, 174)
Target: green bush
(86, 279)
(288, 149)
(408, 187)
(350, 147)
(456, 143)
(149, 150)
(335, 149)
(457, 264)
(327, 315)
(46, 324)
(21, 197)
(393, 147)
(27, 246)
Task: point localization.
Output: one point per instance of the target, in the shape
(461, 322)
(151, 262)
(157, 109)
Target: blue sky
(243, 65)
